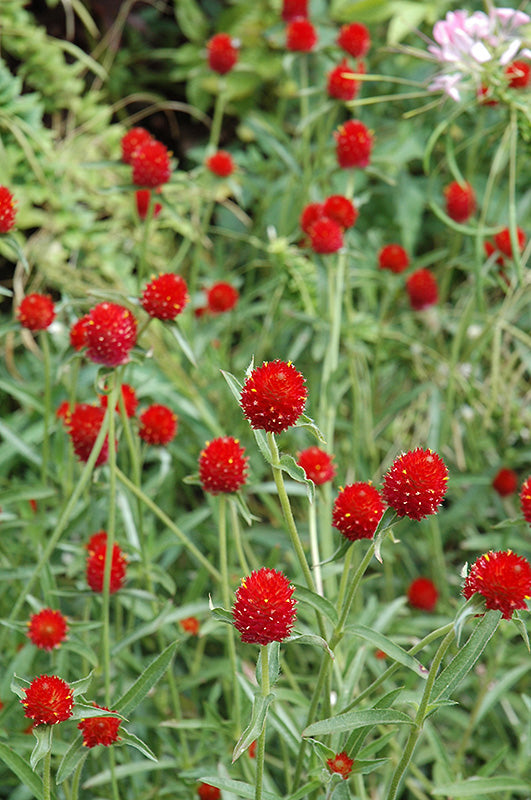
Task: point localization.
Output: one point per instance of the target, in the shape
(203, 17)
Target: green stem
(114, 782)
(226, 595)
(217, 120)
(314, 546)
(46, 775)
(351, 593)
(76, 780)
(142, 260)
(47, 404)
(260, 749)
(236, 534)
(513, 147)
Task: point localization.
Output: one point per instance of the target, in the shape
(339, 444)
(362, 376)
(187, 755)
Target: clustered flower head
(301, 35)
(353, 144)
(357, 510)
(503, 579)
(421, 287)
(97, 551)
(505, 482)
(354, 39)
(47, 629)
(78, 333)
(274, 396)
(393, 257)
(341, 84)
(341, 764)
(503, 242)
(151, 164)
(460, 201)
(48, 700)
(99, 730)
(519, 74)
(416, 483)
(36, 312)
(325, 222)
(222, 53)
(83, 425)
(129, 397)
(131, 142)
(165, 296)
(422, 593)
(291, 9)
(317, 464)
(206, 791)
(525, 500)
(264, 610)
(8, 210)
(220, 164)
(190, 625)
(222, 297)
(110, 334)
(158, 425)
(326, 236)
(222, 465)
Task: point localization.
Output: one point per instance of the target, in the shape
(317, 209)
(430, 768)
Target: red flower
(222, 465)
(221, 164)
(505, 482)
(340, 84)
(97, 548)
(110, 334)
(143, 199)
(99, 730)
(460, 201)
(416, 483)
(301, 35)
(222, 53)
(504, 244)
(36, 312)
(63, 412)
(151, 164)
(353, 144)
(503, 579)
(291, 9)
(129, 397)
(208, 792)
(7, 210)
(422, 593)
(222, 297)
(354, 39)
(78, 332)
(326, 236)
(341, 764)
(525, 500)
(131, 142)
(273, 396)
(48, 700)
(47, 629)
(317, 465)
(158, 425)
(83, 427)
(421, 287)
(310, 214)
(264, 610)
(190, 625)
(341, 210)
(393, 257)
(519, 74)
(165, 297)
(357, 511)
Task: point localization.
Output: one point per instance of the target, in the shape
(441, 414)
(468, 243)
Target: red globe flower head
(131, 142)
(36, 312)
(317, 465)
(110, 334)
(505, 482)
(326, 236)
(341, 764)
(264, 610)
(525, 500)
(353, 144)
(422, 289)
(143, 199)
(357, 510)
(416, 483)
(47, 629)
(96, 542)
(129, 397)
(99, 730)
(503, 242)
(8, 210)
(310, 214)
(460, 201)
(222, 297)
(503, 579)
(341, 210)
(208, 792)
(83, 427)
(273, 396)
(190, 625)
(158, 425)
(96, 564)
(222, 465)
(151, 165)
(48, 700)
(519, 74)
(354, 39)
(422, 593)
(165, 296)
(222, 53)
(291, 9)
(393, 257)
(301, 35)
(78, 333)
(340, 83)
(221, 164)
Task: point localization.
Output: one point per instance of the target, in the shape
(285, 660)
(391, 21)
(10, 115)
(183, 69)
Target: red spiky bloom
(394, 258)
(317, 465)
(357, 510)
(78, 333)
(48, 700)
(422, 289)
(131, 142)
(143, 199)
(264, 610)
(97, 548)
(505, 482)
(110, 334)
(190, 625)
(222, 53)
(99, 730)
(291, 9)
(354, 39)
(503, 579)
(422, 593)
(519, 74)
(341, 764)
(36, 312)
(8, 210)
(341, 210)
(129, 397)
(503, 242)
(416, 483)
(158, 425)
(310, 214)
(353, 144)
(222, 465)
(165, 296)
(326, 236)
(273, 396)
(151, 165)
(460, 201)
(83, 427)
(222, 297)
(340, 83)
(47, 629)
(220, 163)
(525, 500)
(301, 35)
(208, 792)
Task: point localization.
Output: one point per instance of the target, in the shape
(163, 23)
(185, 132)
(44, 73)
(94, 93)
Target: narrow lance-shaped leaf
(357, 719)
(129, 701)
(43, 744)
(256, 725)
(391, 649)
(71, 759)
(21, 769)
(129, 738)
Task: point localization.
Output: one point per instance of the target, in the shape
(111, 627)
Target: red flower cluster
(190, 625)
(525, 500)
(357, 510)
(353, 144)
(143, 199)
(151, 164)
(301, 35)
(222, 53)
(460, 201)
(158, 425)
(99, 730)
(317, 465)
(47, 629)
(222, 465)
(341, 764)
(341, 84)
(129, 397)
(415, 484)
(78, 333)
(326, 236)
(505, 482)
(503, 579)
(222, 297)
(83, 426)
(36, 312)
(519, 74)
(97, 551)
(421, 287)
(325, 222)
(291, 9)
(354, 39)
(132, 141)
(165, 296)
(208, 792)
(264, 610)
(221, 164)
(503, 243)
(422, 593)
(8, 210)
(110, 334)
(273, 396)
(48, 700)
(394, 258)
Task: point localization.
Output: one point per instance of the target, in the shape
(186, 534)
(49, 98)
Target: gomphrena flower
(357, 510)
(519, 74)
(505, 482)
(158, 425)
(422, 593)
(504, 244)
(48, 700)
(95, 570)
(264, 610)
(301, 35)
(354, 39)
(99, 730)
(340, 83)
(83, 426)
(326, 236)
(273, 396)
(36, 312)
(190, 625)
(151, 164)
(132, 140)
(220, 164)
(222, 465)
(165, 296)
(291, 9)
(222, 53)
(341, 764)
(503, 579)
(416, 483)
(129, 397)
(421, 287)
(47, 629)
(394, 258)
(341, 210)
(143, 199)
(460, 201)
(525, 500)
(310, 214)
(206, 791)
(222, 297)
(317, 464)
(353, 144)
(8, 210)
(110, 334)
(78, 333)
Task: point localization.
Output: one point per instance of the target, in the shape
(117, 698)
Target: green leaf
(75, 754)
(21, 769)
(305, 791)
(18, 686)
(132, 740)
(234, 384)
(501, 687)
(256, 725)
(310, 638)
(273, 663)
(19, 445)
(245, 790)
(357, 719)
(304, 421)
(184, 344)
(289, 465)
(191, 20)
(86, 710)
(307, 597)
(222, 615)
(130, 700)
(81, 686)
(391, 649)
(472, 787)
(521, 628)
(43, 743)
